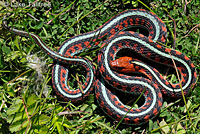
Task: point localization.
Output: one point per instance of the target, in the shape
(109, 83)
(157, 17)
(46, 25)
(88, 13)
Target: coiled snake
(112, 69)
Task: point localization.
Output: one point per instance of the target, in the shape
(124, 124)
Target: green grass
(28, 103)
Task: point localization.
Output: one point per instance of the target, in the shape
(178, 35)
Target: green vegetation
(28, 103)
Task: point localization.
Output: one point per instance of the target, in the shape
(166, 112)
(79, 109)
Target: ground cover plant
(28, 103)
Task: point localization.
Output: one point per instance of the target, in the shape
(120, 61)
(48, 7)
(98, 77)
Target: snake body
(119, 37)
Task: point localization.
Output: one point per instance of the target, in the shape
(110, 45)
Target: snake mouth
(118, 68)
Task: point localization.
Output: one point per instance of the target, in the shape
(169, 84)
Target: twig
(174, 44)
(191, 30)
(166, 73)
(32, 17)
(29, 123)
(185, 6)
(48, 11)
(176, 69)
(3, 102)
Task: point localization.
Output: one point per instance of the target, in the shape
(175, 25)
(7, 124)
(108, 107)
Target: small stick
(32, 17)
(29, 120)
(174, 44)
(3, 102)
(198, 25)
(186, 3)
(166, 73)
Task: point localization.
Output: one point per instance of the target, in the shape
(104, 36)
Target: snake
(115, 72)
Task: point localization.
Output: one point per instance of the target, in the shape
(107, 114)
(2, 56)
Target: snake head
(123, 65)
